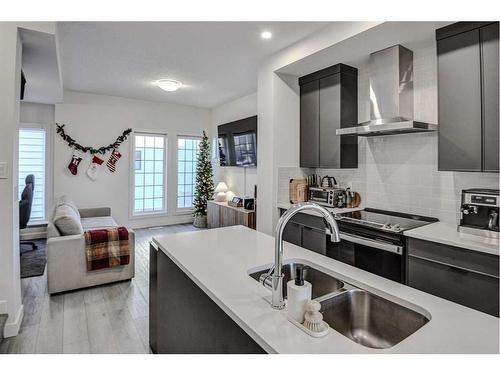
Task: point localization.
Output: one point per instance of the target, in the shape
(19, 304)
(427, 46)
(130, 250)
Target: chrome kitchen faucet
(278, 301)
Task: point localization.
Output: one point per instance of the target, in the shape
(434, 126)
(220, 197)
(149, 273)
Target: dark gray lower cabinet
(183, 319)
(314, 239)
(466, 277)
(306, 231)
(293, 233)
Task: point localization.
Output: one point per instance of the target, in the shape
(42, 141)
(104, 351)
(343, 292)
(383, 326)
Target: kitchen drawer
(310, 221)
(455, 256)
(292, 233)
(468, 288)
(314, 239)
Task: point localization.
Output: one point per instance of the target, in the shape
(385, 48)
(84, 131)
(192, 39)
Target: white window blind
(149, 173)
(32, 161)
(187, 151)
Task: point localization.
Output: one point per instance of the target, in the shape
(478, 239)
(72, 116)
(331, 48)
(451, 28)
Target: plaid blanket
(106, 248)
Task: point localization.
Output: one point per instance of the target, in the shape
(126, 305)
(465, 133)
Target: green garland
(101, 150)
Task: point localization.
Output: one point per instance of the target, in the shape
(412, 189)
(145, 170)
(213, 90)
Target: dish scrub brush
(313, 319)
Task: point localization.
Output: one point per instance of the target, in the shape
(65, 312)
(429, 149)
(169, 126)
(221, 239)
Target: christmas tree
(204, 179)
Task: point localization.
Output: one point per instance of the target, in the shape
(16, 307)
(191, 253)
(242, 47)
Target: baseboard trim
(33, 233)
(12, 326)
(3, 307)
(159, 222)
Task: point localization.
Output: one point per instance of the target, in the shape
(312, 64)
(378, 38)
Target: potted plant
(204, 189)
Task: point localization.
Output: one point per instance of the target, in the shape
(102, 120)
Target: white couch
(66, 259)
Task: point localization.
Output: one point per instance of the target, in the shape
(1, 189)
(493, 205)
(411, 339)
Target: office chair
(25, 207)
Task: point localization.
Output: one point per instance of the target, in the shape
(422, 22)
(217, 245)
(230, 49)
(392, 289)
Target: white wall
(234, 177)
(400, 172)
(36, 113)
(97, 120)
(278, 109)
(10, 77)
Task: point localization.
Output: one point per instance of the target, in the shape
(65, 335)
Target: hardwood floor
(111, 318)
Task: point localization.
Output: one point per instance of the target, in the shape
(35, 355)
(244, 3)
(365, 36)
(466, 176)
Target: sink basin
(370, 320)
(322, 283)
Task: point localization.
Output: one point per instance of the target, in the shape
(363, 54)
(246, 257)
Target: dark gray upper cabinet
(489, 52)
(328, 101)
(468, 96)
(309, 124)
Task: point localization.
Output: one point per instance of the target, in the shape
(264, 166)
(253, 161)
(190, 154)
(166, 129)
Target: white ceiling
(216, 61)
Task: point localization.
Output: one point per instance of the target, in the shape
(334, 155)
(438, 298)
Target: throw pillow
(67, 221)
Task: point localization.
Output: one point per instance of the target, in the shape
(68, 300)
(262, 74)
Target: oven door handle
(371, 243)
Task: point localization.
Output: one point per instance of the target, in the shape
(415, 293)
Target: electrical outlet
(4, 170)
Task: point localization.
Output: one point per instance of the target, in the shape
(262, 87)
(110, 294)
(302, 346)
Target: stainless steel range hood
(391, 96)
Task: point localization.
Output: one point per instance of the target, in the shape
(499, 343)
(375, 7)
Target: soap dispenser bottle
(299, 292)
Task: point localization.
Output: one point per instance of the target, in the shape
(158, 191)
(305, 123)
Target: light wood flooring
(111, 318)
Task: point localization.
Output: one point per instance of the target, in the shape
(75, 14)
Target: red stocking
(76, 159)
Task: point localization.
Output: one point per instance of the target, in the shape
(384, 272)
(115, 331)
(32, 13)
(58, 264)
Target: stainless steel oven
(370, 251)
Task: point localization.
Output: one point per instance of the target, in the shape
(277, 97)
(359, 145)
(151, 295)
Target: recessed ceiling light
(169, 84)
(266, 35)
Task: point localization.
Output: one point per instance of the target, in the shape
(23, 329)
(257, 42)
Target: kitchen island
(216, 264)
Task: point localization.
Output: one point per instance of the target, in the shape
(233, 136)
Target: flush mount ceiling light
(266, 35)
(169, 84)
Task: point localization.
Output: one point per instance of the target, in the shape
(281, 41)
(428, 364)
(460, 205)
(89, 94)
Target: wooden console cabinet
(220, 214)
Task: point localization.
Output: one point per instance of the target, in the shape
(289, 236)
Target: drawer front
(292, 233)
(467, 288)
(455, 256)
(313, 239)
(310, 221)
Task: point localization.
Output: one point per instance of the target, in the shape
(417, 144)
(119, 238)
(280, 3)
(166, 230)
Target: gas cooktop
(388, 221)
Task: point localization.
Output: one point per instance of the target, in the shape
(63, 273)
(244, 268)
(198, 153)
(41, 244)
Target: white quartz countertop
(447, 234)
(286, 206)
(219, 261)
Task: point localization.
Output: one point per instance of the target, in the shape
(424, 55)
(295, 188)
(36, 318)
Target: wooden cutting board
(297, 190)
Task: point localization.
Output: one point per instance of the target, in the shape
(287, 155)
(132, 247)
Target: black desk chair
(25, 207)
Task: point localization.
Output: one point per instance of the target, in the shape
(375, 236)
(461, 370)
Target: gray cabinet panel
(468, 288)
(180, 303)
(314, 239)
(329, 114)
(459, 100)
(490, 78)
(309, 124)
(153, 317)
(293, 233)
(462, 258)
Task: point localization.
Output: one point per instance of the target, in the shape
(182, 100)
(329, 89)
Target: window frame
(182, 210)
(137, 215)
(49, 157)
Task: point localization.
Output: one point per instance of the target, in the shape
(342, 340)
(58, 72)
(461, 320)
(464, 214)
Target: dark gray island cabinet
(185, 320)
(467, 277)
(468, 60)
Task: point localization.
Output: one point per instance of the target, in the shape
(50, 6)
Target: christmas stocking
(111, 164)
(76, 159)
(95, 165)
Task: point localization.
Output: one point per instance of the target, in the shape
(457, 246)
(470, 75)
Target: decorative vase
(200, 221)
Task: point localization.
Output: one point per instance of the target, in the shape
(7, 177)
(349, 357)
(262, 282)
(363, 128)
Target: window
(149, 173)
(187, 150)
(244, 149)
(32, 161)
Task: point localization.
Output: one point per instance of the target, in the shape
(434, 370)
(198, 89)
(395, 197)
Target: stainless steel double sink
(361, 316)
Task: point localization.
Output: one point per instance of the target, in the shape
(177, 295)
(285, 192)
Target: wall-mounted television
(237, 143)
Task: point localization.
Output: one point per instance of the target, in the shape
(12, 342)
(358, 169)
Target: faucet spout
(277, 300)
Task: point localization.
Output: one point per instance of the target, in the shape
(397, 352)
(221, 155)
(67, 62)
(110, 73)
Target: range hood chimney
(391, 96)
